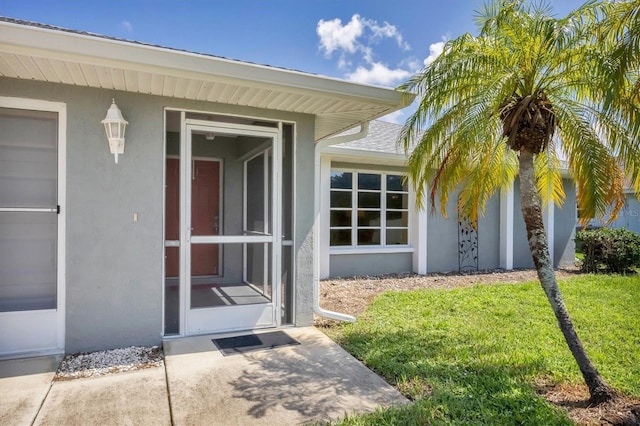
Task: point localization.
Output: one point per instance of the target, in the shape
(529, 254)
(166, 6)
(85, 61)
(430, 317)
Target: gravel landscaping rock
(108, 362)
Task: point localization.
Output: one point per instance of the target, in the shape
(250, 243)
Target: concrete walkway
(314, 381)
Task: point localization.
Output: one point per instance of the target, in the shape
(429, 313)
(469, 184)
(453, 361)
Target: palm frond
(548, 168)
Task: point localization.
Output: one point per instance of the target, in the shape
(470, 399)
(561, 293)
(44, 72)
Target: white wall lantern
(114, 126)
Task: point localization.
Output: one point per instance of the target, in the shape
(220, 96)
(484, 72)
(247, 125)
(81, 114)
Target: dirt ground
(353, 295)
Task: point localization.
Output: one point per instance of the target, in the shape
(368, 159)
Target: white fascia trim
(368, 157)
(83, 48)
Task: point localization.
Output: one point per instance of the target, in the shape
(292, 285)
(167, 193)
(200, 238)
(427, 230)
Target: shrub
(609, 250)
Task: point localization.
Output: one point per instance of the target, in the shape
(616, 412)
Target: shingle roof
(382, 137)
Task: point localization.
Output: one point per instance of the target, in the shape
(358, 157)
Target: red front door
(172, 217)
(205, 220)
(205, 216)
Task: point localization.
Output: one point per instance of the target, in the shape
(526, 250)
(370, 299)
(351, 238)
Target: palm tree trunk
(599, 390)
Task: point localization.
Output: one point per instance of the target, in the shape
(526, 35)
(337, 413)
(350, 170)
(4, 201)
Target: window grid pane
(341, 199)
(340, 237)
(342, 180)
(368, 237)
(379, 201)
(369, 181)
(341, 218)
(369, 199)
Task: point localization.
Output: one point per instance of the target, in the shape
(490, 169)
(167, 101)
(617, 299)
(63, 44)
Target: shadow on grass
(452, 380)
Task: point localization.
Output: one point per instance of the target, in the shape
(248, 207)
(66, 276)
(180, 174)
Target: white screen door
(229, 261)
(30, 232)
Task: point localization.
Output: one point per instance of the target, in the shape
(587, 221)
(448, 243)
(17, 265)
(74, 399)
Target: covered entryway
(224, 244)
(32, 176)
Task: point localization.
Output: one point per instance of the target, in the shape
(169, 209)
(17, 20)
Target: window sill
(370, 250)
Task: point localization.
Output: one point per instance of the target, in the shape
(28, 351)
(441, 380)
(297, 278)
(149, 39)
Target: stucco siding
(565, 221)
(564, 226)
(489, 235)
(347, 265)
(521, 253)
(628, 217)
(304, 218)
(631, 214)
(442, 239)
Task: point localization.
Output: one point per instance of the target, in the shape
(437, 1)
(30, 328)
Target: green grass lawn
(474, 355)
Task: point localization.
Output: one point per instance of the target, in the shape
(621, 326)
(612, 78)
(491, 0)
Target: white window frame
(383, 212)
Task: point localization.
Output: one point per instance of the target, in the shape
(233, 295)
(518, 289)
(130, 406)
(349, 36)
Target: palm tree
(518, 100)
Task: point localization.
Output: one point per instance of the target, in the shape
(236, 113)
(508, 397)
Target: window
(368, 209)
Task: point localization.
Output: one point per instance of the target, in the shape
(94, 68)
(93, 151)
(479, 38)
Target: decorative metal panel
(467, 244)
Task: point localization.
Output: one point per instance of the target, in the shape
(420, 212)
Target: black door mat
(253, 342)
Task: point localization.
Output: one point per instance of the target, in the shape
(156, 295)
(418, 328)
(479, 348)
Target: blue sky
(380, 42)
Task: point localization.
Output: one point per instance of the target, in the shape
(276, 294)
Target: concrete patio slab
(314, 381)
(131, 398)
(24, 384)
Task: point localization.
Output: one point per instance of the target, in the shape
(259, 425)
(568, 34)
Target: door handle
(216, 224)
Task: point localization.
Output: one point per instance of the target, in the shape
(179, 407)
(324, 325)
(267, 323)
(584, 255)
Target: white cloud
(355, 43)
(335, 36)
(343, 63)
(126, 25)
(413, 64)
(387, 31)
(378, 74)
(356, 35)
(435, 49)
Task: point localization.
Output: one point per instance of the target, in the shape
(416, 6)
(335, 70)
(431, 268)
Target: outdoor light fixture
(114, 126)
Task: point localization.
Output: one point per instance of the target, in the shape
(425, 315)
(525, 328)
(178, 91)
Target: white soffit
(37, 52)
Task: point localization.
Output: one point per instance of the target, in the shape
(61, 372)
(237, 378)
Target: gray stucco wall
(521, 253)
(489, 235)
(442, 238)
(304, 218)
(628, 218)
(113, 264)
(347, 265)
(565, 221)
(564, 228)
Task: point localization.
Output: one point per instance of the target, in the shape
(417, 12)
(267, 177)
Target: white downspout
(364, 129)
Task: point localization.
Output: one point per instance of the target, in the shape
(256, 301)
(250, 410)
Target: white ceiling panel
(76, 73)
(90, 74)
(144, 82)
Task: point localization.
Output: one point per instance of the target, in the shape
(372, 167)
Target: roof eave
(96, 50)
